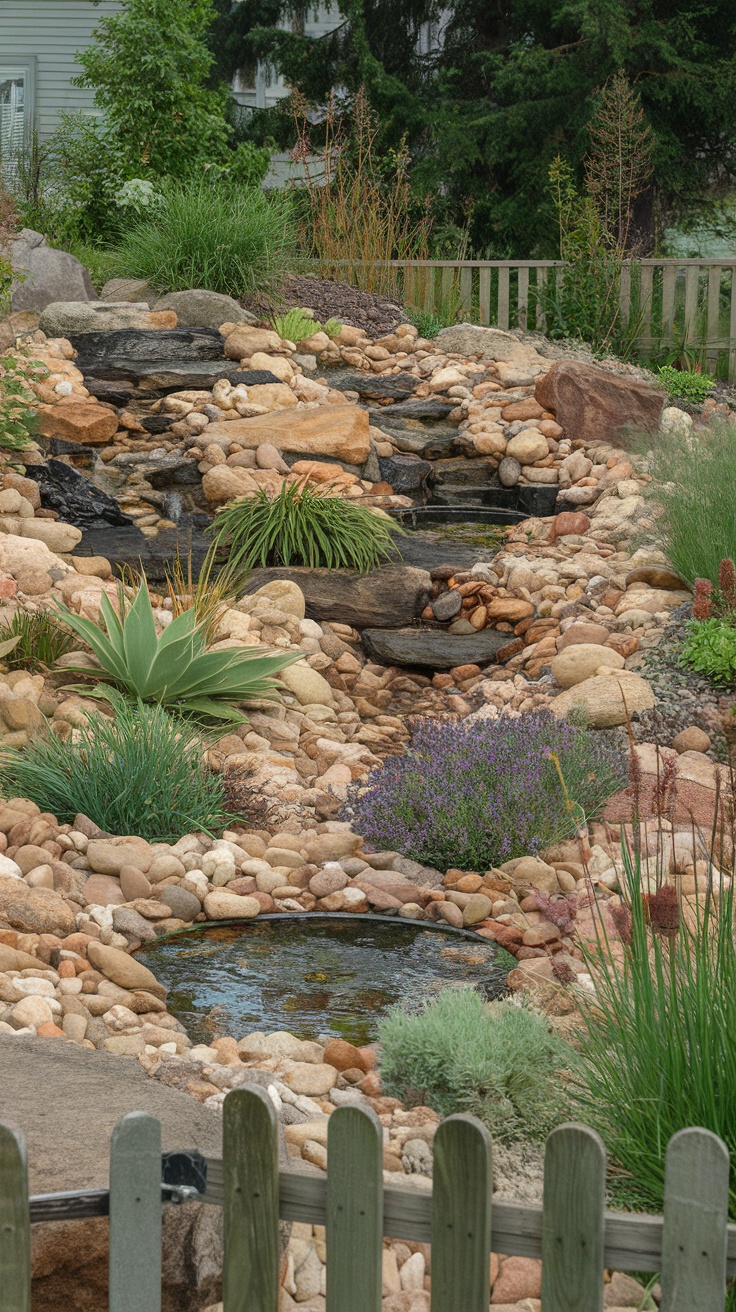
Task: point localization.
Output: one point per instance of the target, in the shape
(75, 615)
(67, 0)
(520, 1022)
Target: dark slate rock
(393, 594)
(373, 387)
(447, 605)
(77, 500)
(407, 474)
(171, 376)
(128, 546)
(156, 423)
(171, 470)
(182, 344)
(422, 408)
(466, 473)
(431, 649)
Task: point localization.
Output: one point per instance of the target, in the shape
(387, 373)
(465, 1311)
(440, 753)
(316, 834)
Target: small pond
(322, 976)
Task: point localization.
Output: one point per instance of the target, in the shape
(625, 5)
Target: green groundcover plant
(296, 325)
(139, 773)
(685, 384)
(657, 1052)
(18, 420)
(302, 526)
(710, 648)
(211, 234)
(175, 669)
(499, 1061)
(693, 480)
(39, 640)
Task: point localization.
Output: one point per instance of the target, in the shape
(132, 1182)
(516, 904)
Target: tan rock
(220, 905)
(286, 596)
(245, 341)
(340, 431)
(691, 739)
(34, 910)
(310, 1078)
(107, 856)
(509, 609)
(529, 873)
(270, 396)
(78, 419)
(528, 446)
(580, 661)
(123, 969)
(606, 699)
(57, 536)
(307, 685)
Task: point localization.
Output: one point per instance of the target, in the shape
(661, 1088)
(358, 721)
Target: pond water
(323, 977)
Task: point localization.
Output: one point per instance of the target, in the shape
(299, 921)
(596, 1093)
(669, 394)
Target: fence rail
(691, 1245)
(669, 305)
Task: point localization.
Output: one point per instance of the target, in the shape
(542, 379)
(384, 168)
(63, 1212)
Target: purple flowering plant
(472, 795)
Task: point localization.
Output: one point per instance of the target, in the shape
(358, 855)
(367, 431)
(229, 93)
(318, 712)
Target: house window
(17, 94)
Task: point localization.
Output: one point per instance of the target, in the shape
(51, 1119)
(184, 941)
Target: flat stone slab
(420, 408)
(432, 649)
(171, 375)
(373, 387)
(346, 596)
(149, 344)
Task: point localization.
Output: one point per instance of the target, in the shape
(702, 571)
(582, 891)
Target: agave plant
(174, 670)
(302, 526)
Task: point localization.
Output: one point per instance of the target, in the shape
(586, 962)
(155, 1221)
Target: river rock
(14, 959)
(78, 419)
(308, 685)
(220, 905)
(108, 856)
(394, 594)
(580, 661)
(34, 910)
(199, 308)
(340, 431)
(47, 275)
(314, 1079)
(606, 699)
(123, 969)
(447, 605)
(181, 903)
(432, 649)
(590, 402)
(527, 446)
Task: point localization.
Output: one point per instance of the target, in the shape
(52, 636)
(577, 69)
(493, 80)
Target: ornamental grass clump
(302, 525)
(473, 795)
(500, 1061)
(657, 1051)
(139, 773)
(693, 478)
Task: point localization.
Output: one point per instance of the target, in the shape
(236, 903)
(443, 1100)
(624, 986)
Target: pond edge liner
(357, 917)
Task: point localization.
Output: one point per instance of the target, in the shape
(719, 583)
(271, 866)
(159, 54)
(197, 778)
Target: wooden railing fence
(692, 1244)
(667, 303)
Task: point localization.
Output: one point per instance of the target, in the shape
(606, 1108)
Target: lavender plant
(473, 795)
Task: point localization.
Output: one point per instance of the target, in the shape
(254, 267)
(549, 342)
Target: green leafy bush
(685, 384)
(302, 526)
(18, 422)
(693, 479)
(657, 1051)
(710, 648)
(40, 640)
(139, 773)
(175, 670)
(296, 325)
(212, 235)
(459, 1054)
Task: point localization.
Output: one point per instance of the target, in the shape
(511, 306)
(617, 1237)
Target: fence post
(15, 1224)
(573, 1220)
(354, 1210)
(694, 1239)
(135, 1214)
(462, 1189)
(250, 1155)
(502, 318)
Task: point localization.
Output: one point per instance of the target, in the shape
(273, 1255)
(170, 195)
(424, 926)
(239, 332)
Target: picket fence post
(354, 1210)
(15, 1224)
(573, 1220)
(695, 1233)
(250, 1151)
(462, 1190)
(135, 1214)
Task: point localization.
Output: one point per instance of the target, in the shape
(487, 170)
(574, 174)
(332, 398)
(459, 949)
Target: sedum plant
(296, 325)
(302, 526)
(175, 669)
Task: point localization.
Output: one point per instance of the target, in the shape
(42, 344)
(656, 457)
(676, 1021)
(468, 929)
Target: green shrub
(18, 420)
(302, 526)
(175, 670)
(458, 1054)
(296, 325)
(685, 384)
(41, 640)
(212, 235)
(693, 479)
(657, 1051)
(710, 648)
(141, 773)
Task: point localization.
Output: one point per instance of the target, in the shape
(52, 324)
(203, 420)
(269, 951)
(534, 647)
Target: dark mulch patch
(376, 315)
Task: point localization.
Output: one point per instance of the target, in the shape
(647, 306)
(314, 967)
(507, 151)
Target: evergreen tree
(512, 85)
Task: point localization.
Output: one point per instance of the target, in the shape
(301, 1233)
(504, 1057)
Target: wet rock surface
(75, 498)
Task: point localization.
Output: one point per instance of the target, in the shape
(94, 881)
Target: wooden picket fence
(668, 302)
(692, 1245)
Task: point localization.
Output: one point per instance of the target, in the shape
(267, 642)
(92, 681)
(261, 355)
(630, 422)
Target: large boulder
(590, 402)
(78, 419)
(45, 275)
(100, 343)
(67, 318)
(198, 308)
(579, 661)
(606, 700)
(492, 343)
(395, 594)
(339, 431)
(34, 910)
(432, 649)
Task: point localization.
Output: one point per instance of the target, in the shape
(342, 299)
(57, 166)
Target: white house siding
(49, 33)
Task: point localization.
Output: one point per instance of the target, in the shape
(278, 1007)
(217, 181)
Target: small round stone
(691, 740)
